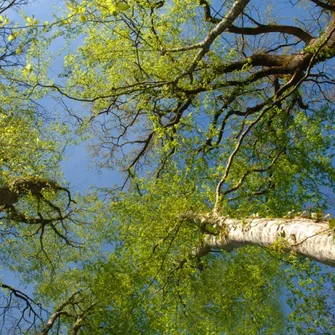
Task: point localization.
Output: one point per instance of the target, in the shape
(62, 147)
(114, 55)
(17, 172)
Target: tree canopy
(219, 116)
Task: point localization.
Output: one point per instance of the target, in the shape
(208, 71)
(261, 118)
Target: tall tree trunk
(301, 236)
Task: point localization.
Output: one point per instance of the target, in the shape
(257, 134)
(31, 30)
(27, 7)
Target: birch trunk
(304, 237)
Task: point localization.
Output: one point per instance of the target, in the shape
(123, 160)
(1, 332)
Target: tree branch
(58, 313)
(272, 28)
(324, 5)
(299, 236)
(227, 21)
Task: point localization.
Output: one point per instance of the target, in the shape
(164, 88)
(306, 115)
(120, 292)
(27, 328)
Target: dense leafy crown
(210, 109)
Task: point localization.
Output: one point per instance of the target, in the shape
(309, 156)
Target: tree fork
(10, 193)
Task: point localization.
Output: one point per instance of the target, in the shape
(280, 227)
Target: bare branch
(272, 28)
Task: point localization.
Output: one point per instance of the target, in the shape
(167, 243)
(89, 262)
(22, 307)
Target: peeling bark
(300, 236)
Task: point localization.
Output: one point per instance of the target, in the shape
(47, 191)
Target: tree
(220, 116)
(35, 208)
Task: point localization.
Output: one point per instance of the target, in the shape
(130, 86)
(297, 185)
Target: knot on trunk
(208, 223)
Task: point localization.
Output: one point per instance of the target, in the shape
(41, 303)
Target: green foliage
(310, 291)
(122, 75)
(144, 286)
(190, 135)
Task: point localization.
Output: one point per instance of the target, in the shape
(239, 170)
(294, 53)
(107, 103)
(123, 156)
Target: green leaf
(122, 6)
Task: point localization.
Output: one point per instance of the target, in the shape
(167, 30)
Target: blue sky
(78, 169)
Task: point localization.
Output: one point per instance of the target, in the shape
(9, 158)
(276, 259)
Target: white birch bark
(304, 237)
(236, 9)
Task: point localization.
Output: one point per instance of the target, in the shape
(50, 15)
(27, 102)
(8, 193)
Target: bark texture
(301, 236)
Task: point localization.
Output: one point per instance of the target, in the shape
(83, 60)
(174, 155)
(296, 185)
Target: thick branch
(207, 12)
(324, 5)
(10, 193)
(226, 22)
(283, 63)
(272, 28)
